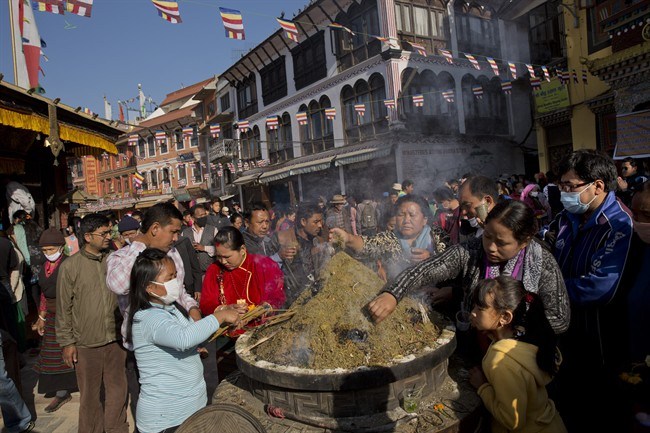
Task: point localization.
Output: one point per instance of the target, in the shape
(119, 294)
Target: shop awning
(245, 180)
(300, 168)
(77, 196)
(362, 155)
(146, 204)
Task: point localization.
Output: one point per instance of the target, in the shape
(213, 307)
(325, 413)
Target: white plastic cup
(463, 321)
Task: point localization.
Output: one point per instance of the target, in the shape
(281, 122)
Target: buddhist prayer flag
(547, 75)
(290, 29)
(493, 64)
(513, 70)
(138, 179)
(240, 166)
(448, 95)
(447, 55)
(168, 11)
(52, 6)
(563, 76)
(233, 23)
(478, 92)
(473, 61)
(160, 136)
(188, 131)
(536, 83)
(574, 75)
(215, 130)
(330, 113)
(340, 27)
(133, 140)
(360, 109)
(27, 58)
(243, 125)
(584, 76)
(418, 100)
(419, 49)
(272, 122)
(392, 42)
(231, 167)
(506, 86)
(80, 7)
(389, 103)
(531, 70)
(301, 117)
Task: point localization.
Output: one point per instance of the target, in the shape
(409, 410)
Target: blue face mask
(571, 201)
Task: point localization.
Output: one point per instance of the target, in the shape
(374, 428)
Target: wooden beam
(285, 42)
(267, 53)
(338, 5)
(324, 13)
(275, 49)
(252, 63)
(242, 74)
(301, 28)
(259, 58)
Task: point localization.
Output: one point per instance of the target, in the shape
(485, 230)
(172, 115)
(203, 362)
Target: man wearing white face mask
(592, 239)
(477, 196)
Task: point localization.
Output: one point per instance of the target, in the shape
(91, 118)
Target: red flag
(121, 113)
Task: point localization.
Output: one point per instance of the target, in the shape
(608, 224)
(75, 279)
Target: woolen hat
(337, 199)
(128, 223)
(51, 238)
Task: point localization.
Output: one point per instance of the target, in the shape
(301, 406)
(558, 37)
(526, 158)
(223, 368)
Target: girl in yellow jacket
(521, 360)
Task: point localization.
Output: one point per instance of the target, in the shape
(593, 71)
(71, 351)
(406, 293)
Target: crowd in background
(547, 268)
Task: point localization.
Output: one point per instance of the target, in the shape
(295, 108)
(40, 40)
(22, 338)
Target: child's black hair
(529, 321)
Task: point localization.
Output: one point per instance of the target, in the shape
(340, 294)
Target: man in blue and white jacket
(592, 240)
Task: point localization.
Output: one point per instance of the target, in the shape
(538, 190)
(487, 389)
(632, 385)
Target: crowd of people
(549, 269)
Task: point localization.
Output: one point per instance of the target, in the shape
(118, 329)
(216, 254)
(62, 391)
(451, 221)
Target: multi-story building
(391, 52)
(607, 43)
(163, 149)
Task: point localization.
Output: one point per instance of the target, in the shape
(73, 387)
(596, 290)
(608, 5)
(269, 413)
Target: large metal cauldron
(345, 399)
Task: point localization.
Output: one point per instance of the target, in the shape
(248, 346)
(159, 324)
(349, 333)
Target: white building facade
(364, 154)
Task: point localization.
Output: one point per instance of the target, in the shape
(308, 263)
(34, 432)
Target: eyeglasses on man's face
(104, 234)
(569, 187)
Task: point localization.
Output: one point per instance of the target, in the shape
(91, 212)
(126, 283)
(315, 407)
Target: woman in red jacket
(238, 278)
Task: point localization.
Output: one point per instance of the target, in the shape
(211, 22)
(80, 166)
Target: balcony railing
(226, 148)
(617, 13)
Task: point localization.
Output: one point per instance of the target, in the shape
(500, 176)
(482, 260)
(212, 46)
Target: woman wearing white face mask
(165, 342)
(54, 375)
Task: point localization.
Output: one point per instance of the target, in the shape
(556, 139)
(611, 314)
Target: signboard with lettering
(633, 135)
(91, 175)
(551, 97)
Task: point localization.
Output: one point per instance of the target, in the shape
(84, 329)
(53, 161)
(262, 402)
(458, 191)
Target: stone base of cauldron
(322, 405)
(463, 412)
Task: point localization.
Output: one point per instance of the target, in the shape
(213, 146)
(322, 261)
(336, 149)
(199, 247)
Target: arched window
(250, 145)
(363, 20)
(280, 141)
(317, 135)
(436, 115)
(373, 121)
